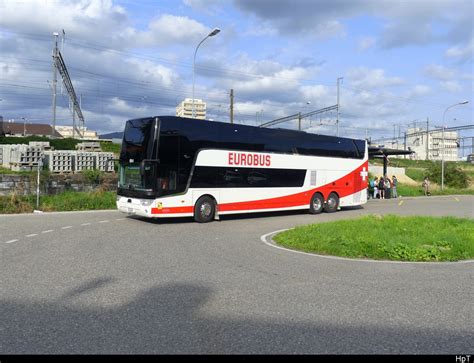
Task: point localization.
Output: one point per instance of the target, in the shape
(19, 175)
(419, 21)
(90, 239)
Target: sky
(401, 62)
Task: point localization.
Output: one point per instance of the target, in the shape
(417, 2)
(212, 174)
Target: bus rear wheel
(332, 203)
(317, 204)
(204, 210)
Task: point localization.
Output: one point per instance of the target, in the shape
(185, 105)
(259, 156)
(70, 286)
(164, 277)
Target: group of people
(383, 188)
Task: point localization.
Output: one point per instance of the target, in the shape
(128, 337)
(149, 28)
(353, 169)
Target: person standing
(426, 186)
(388, 188)
(381, 188)
(376, 188)
(394, 187)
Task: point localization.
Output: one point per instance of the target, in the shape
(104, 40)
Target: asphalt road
(102, 282)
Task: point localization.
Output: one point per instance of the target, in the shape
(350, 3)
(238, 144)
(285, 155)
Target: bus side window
(256, 178)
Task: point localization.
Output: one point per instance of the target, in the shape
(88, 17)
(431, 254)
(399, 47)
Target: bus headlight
(146, 202)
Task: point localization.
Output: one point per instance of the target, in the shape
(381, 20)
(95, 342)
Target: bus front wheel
(204, 210)
(332, 203)
(317, 204)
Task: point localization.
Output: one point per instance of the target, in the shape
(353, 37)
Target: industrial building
(185, 108)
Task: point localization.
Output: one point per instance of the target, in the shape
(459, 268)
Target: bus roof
(227, 124)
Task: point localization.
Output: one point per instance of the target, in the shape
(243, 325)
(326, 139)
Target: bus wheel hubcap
(317, 204)
(206, 210)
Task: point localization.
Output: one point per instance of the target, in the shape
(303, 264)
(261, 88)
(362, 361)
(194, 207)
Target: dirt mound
(407, 180)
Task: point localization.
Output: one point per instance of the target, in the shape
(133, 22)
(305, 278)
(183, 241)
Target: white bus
(181, 167)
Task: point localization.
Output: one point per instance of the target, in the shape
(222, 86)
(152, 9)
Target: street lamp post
(442, 142)
(24, 126)
(211, 34)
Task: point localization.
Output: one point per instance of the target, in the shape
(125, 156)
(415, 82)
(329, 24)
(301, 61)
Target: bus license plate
(131, 210)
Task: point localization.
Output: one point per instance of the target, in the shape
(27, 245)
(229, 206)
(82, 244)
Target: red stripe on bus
(172, 210)
(347, 185)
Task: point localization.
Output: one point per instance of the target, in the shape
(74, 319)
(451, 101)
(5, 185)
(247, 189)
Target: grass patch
(110, 147)
(417, 174)
(67, 201)
(406, 190)
(386, 238)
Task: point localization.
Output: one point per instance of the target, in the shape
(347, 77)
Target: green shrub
(93, 175)
(454, 176)
(110, 147)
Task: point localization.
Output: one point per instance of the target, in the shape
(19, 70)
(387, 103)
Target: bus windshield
(150, 176)
(137, 141)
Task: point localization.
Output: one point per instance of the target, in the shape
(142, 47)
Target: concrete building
(185, 108)
(431, 144)
(66, 131)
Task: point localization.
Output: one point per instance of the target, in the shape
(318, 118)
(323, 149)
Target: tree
(454, 176)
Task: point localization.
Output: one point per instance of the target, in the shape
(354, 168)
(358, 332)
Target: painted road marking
(401, 202)
(65, 227)
(456, 199)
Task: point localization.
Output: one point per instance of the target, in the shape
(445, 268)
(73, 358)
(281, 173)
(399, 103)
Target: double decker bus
(181, 167)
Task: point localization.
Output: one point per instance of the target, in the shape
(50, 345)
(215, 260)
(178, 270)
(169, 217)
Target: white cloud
(451, 86)
(154, 73)
(366, 43)
(261, 29)
(419, 90)
(206, 6)
(169, 30)
(319, 95)
(372, 78)
(439, 72)
(90, 20)
(462, 53)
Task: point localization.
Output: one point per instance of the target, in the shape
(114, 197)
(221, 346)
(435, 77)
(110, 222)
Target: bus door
(356, 185)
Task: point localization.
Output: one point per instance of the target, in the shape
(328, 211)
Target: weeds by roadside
(67, 201)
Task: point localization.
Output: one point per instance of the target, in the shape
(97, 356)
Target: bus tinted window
(232, 136)
(277, 141)
(221, 177)
(136, 138)
(319, 145)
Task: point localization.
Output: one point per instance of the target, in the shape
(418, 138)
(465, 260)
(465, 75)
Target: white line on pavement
(85, 224)
(106, 221)
(32, 235)
(11, 241)
(67, 227)
(48, 231)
